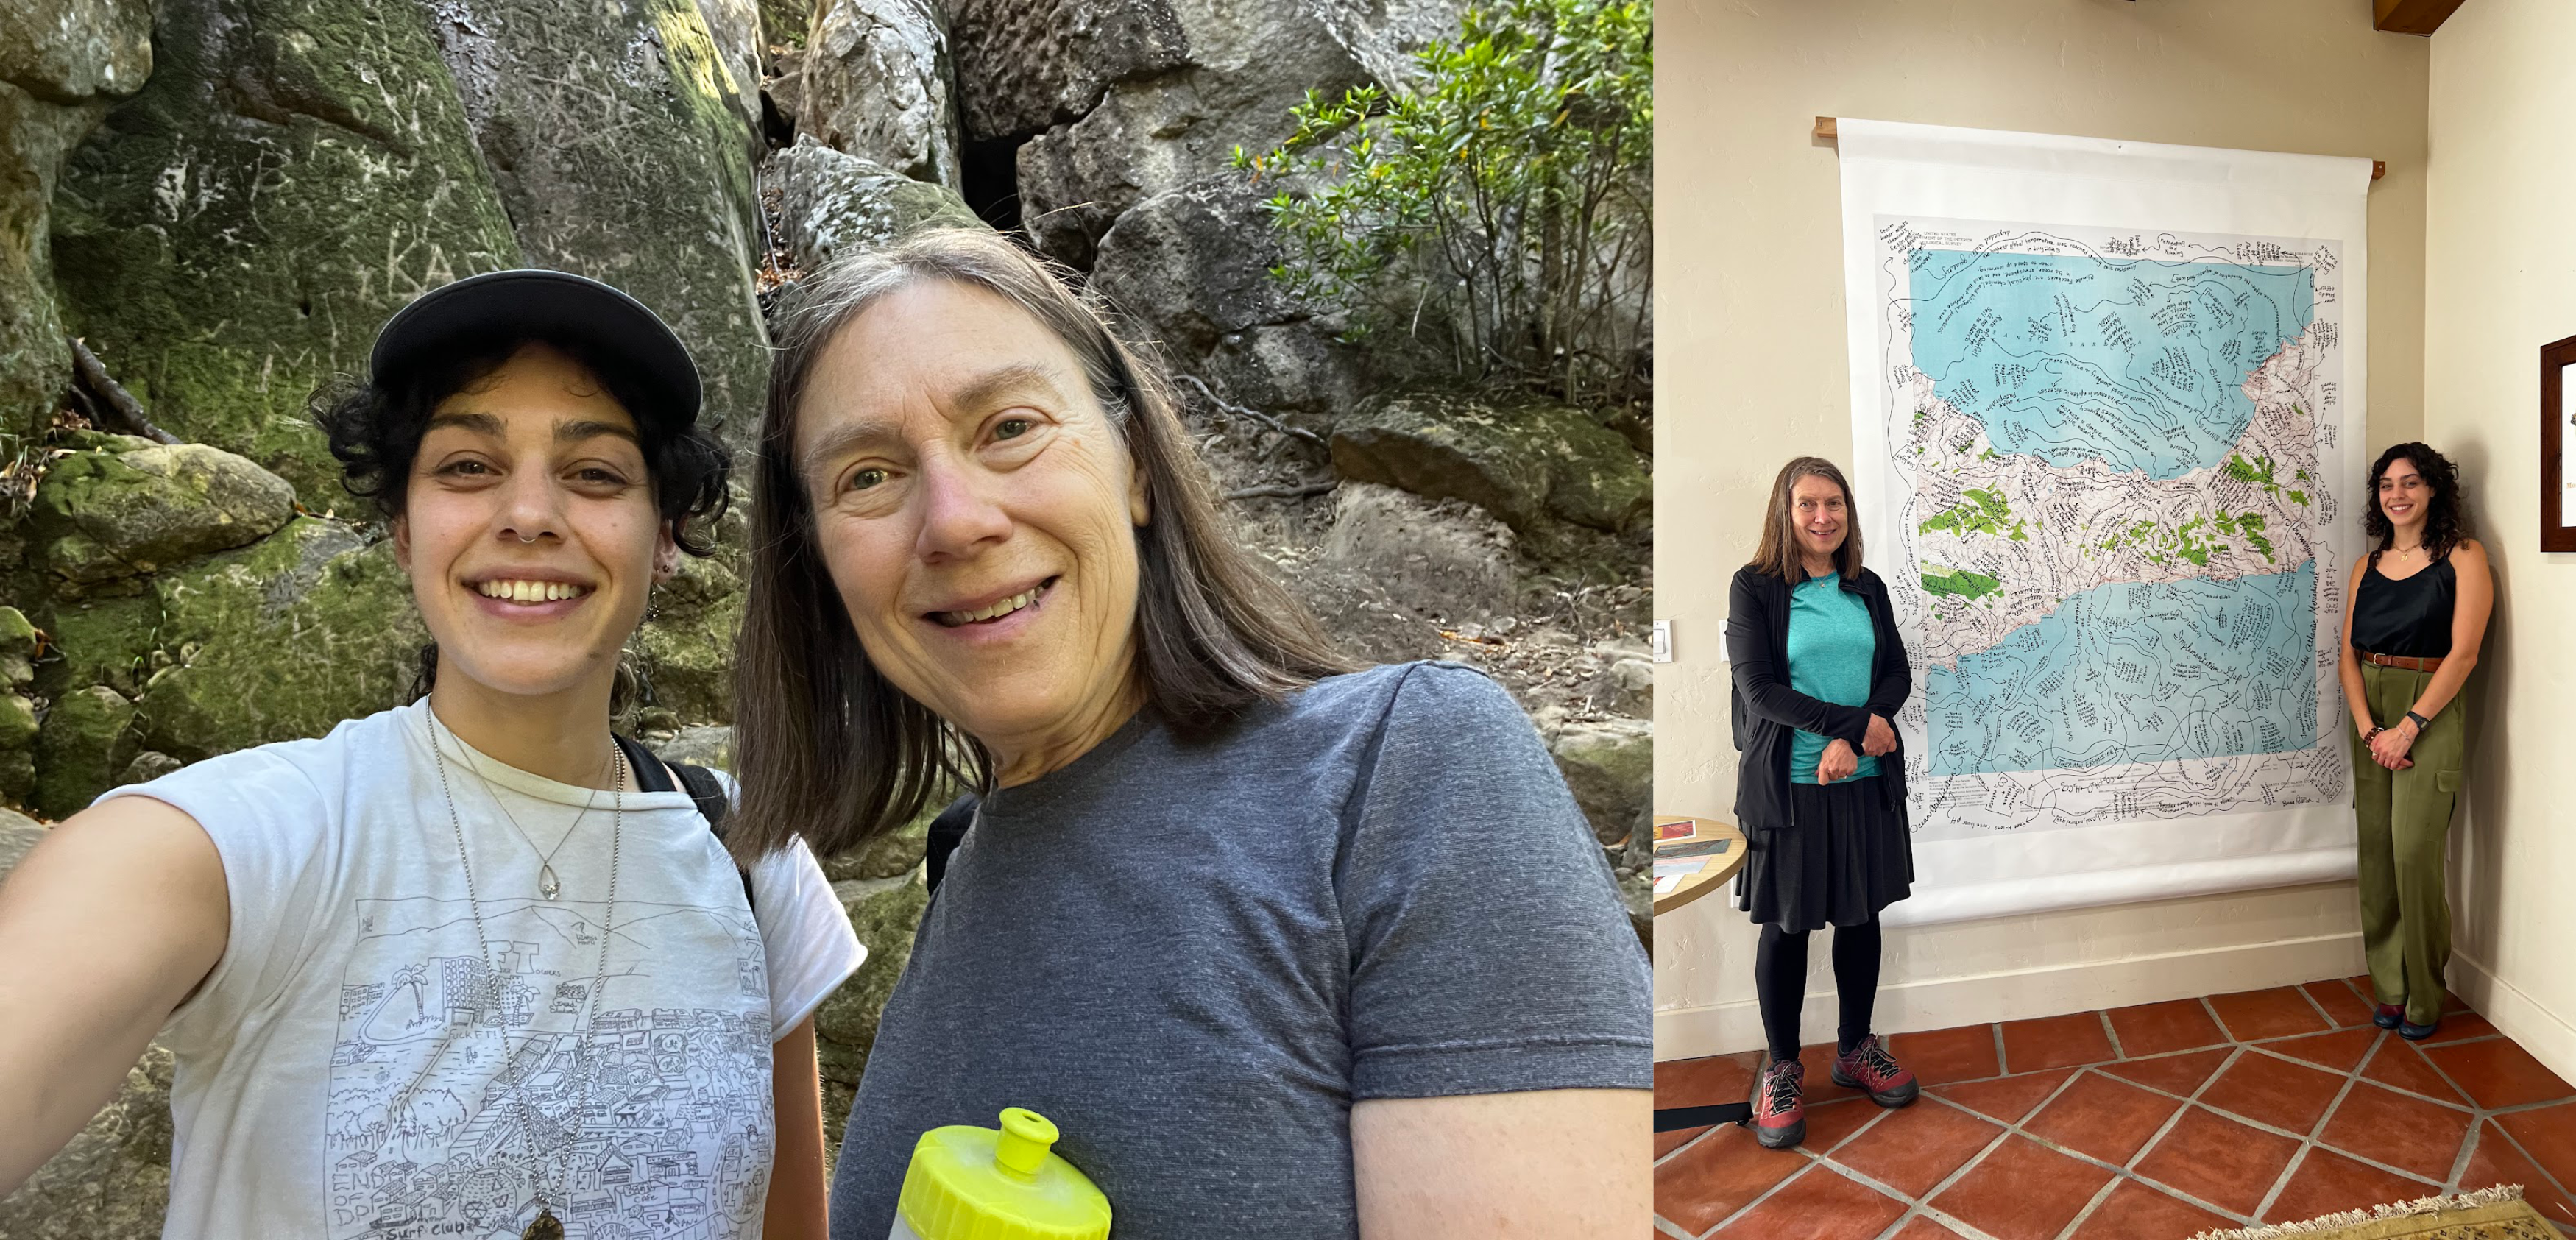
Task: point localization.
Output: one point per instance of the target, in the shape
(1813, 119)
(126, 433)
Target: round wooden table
(1720, 869)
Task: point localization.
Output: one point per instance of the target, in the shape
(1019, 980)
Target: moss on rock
(687, 651)
(885, 915)
(139, 506)
(102, 641)
(87, 737)
(280, 640)
(1526, 461)
(293, 173)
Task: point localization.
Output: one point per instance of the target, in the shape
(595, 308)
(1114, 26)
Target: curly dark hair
(375, 430)
(2446, 521)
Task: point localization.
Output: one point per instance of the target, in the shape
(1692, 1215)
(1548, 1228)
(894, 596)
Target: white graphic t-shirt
(341, 1072)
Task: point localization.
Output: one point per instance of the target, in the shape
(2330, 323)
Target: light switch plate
(1663, 641)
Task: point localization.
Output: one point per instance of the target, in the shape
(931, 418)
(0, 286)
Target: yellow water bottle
(969, 1183)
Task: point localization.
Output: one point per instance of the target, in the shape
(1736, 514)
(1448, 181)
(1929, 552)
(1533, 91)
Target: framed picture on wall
(2557, 448)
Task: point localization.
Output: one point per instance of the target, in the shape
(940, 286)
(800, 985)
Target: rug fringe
(2402, 1209)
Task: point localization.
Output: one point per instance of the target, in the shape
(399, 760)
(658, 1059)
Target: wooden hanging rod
(1825, 131)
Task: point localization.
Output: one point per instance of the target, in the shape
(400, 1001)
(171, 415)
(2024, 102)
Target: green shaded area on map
(1979, 512)
(2192, 540)
(1960, 583)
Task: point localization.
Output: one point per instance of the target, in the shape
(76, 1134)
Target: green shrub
(1493, 217)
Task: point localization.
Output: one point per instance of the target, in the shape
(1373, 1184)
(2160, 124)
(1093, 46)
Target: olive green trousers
(2405, 819)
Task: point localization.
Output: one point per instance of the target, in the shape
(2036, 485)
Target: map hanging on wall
(2107, 413)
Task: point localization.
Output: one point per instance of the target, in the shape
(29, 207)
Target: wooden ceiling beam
(2411, 16)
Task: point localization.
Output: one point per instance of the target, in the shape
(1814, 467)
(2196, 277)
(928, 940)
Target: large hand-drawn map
(2115, 518)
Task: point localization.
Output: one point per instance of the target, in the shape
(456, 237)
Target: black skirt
(1847, 857)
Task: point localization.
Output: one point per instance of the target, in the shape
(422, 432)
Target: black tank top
(2410, 618)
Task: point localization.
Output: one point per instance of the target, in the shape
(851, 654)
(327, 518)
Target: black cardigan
(1767, 710)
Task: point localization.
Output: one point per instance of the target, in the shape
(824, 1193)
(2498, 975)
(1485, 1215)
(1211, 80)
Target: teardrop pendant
(548, 885)
(547, 1227)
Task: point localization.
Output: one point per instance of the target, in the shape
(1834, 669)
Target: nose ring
(527, 538)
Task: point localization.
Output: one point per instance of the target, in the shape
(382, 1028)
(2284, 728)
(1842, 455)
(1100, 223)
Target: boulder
(783, 22)
(734, 27)
(875, 81)
(1023, 65)
(891, 855)
(101, 639)
(1523, 460)
(294, 171)
(832, 204)
(1448, 560)
(133, 506)
(686, 651)
(641, 176)
(708, 745)
(87, 738)
(1609, 765)
(1189, 271)
(280, 640)
(146, 767)
(18, 833)
(61, 63)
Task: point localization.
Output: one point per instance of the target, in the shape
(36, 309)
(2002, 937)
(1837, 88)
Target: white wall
(1749, 326)
(2501, 282)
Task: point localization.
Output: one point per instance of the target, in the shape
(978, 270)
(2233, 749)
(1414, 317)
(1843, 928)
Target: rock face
(1026, 64)
(61, 63)
(1449, 559)
(734, 26)
(279, 640)
(1189, 269)
(1241, 68)
(687, 650)
(87, 738)
(876, 81)
(293, 173)
(1525, 462)
(640, 175)
(133, 506)
(17, 710)
(830, 203)
(1610, 767)
(885, 915)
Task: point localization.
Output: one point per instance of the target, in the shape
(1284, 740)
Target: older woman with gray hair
(1285, 947)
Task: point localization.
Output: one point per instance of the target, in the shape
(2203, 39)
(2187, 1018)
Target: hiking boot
(1871, 1070)
(2387, 1015)
(1779, 1104)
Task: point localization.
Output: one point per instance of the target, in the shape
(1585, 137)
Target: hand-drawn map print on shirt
(2109, 444)
(673, 1104)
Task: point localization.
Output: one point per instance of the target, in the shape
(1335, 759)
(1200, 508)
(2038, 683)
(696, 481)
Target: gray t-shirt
(1195, 957)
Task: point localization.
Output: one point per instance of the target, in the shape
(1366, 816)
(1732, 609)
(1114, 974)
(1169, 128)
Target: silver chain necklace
(545, 1226)
(548, 885)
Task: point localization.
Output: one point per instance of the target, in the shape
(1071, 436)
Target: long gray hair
(825, 746)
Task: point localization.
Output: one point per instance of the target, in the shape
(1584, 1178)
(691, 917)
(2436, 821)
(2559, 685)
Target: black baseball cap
(535, 304)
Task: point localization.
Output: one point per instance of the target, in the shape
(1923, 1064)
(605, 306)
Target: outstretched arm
(1551, 1164)
(796, 1189)
(106, 926)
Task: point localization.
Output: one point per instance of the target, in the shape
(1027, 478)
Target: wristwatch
(2421, 723)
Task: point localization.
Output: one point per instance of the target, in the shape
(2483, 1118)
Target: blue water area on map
(2069, 358)
(2137, 672)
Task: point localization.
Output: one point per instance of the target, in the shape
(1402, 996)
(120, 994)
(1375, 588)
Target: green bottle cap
(969, 1183)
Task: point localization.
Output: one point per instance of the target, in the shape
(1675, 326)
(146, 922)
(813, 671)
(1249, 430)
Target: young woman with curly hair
(472, 965)
(2419, 604)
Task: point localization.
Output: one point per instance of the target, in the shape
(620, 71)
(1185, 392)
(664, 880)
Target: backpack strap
(702, 786)
(946, 832)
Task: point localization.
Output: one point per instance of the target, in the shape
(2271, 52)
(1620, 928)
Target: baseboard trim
(2052, 990)
(2548, 1037)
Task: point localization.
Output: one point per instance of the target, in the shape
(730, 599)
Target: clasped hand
(2389, 746)
(1839, 761)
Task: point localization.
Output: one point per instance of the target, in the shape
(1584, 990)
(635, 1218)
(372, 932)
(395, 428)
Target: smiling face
(529, 529)
(1818, 512)
(2405, 496)
(977, 511)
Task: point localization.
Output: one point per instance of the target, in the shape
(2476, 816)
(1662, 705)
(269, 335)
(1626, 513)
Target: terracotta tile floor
(2146, 1123)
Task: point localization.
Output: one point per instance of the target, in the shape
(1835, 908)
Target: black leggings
(1780, 980)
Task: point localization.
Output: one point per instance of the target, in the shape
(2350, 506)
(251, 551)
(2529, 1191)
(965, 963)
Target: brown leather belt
(2401, 662)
